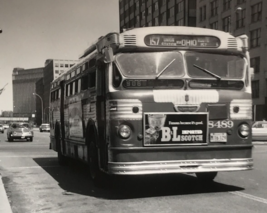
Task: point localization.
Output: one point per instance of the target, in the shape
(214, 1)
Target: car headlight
(124, 131)
(243, 130)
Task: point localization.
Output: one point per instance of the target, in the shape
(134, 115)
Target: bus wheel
(206, 177)
(96, 175)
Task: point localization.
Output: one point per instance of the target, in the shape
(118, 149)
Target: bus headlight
(243, 130)
(124, 131)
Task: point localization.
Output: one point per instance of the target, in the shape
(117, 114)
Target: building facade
(23, 88)
(243, 17)
(145, 13)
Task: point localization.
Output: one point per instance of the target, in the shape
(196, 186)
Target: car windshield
(151, 64)
(224, 66)
(45, 125)
(260, 125)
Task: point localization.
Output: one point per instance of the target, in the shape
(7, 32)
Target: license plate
(218, 137)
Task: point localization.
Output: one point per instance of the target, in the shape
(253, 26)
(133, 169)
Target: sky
(36, 30)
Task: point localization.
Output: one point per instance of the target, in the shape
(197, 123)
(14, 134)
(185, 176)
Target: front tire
(206, 177)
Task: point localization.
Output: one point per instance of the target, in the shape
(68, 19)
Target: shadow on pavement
(75, 178)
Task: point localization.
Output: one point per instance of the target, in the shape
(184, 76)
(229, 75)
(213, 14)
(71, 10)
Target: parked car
(6, 126)
(259, 130)
(44, 127)
(1, 128)
(19, 131)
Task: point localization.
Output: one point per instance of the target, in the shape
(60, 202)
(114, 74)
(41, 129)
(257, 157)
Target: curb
(259, 143)
(5, 205)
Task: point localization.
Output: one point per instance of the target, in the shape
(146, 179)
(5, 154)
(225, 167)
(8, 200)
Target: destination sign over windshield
(182, 41)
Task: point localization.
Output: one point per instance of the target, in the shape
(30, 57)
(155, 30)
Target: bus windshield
(224, 66)
(151, 64)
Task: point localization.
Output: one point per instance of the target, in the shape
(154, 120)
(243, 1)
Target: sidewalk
(5, 205)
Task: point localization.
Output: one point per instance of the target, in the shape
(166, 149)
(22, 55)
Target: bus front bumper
(181, 166)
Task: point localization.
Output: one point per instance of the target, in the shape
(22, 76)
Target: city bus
(156, 100)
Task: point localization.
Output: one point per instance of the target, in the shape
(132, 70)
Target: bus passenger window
(92, 79)
(73, 87)
(67, 87)
(84, 82)
(76, 86)
(68, 90)
(79, 85)
(56, 95)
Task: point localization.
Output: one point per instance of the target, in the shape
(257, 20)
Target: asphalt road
(36, 183)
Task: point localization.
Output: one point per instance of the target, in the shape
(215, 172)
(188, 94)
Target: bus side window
(79, 85)
(73, 87)
(67, 86)
(76, 86)
(84, 82)
(92, 79)
(59, 93)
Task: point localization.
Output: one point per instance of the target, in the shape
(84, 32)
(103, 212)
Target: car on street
(2, 128)
(6, 126)
(44, 127)
(19, 131)
(259, 131)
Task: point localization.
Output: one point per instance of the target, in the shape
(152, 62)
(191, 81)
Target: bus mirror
(251, 71)
(108, 55)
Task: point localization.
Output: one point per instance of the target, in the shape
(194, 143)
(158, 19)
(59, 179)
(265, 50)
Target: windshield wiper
(159, 74)
(208, 72)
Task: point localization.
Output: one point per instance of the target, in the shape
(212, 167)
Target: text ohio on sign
(182, 41)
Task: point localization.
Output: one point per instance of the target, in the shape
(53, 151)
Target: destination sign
(193, 41)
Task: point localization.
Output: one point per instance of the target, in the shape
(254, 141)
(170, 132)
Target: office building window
(214, 25)
(156, 6)
(226, 4)
(227, 24)
(255, 89)
(156, 21)
(143, 15)
(149, 10)
(137, 5)
(163, 19)
(255, 63)
(171, 12)
(240, 19)
(256, 12)
(180, 6)
(180, 22)
(240, 1)
(214, 8)
(255, 38)
(56, 65)
(202, 13)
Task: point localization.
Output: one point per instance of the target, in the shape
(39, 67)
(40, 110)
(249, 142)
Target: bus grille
(129, 40)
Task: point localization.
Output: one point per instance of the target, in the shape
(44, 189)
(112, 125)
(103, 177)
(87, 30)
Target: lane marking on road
(32, 167)
(251, 197)
(28, 156)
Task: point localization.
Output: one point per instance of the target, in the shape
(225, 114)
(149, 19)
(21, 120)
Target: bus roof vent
(232, 44)
(129, 40)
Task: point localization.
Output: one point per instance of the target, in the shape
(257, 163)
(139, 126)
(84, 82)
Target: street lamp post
(41, 103)
(47, 115)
